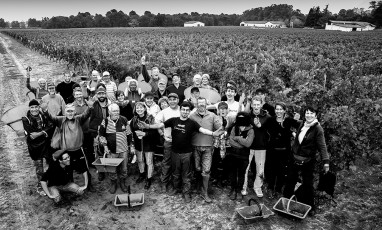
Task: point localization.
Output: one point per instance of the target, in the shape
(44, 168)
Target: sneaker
(41, 191)
(244, 192)
(258, 192)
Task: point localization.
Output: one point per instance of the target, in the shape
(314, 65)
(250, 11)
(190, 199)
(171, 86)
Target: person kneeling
(59, 177)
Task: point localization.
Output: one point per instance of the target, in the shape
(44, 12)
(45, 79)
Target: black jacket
(96, 118)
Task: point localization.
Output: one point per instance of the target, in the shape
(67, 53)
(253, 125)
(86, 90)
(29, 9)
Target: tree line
(282, 12)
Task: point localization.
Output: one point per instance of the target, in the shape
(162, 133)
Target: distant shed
(264, 24)
(193, 24)
(349, 26)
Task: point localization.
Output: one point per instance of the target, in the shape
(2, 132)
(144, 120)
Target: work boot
(90, 184)
(140, 178)
(148, 183)
(101, 176)
(113, 186)
(205, 189)
(122, 184)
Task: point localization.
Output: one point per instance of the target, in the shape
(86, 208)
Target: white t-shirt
(233, 107)
(163, 116)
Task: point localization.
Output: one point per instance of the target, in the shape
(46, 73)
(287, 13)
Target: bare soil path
(22, 208)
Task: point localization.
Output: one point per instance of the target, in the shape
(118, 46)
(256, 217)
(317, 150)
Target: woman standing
(278, 155)
(143, 141)
(124, 106)
(309, 140)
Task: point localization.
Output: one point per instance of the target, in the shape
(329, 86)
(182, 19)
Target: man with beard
(56, 104)
(153, 80)
(99, 113)
(37, 129)
(203, 144)
(72, 137)
(164, 115)
(65, 88)
(182, 130)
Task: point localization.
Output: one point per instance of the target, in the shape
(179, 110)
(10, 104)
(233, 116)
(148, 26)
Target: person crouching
(59, 177)
(240, 139)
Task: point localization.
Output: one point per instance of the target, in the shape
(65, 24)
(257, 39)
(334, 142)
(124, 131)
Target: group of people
(71, 125)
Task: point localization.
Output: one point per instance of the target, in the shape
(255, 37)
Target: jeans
(203, 159)
(307, 173)
(121, 169)
(166, 162)
(260, 161)
(145, 158)
(39, 168)
(181, 163)
(70, 187)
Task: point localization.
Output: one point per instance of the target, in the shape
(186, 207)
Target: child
(240, 139)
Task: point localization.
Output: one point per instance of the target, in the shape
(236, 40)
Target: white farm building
(349, 26)
(264, 24)
(193, 24)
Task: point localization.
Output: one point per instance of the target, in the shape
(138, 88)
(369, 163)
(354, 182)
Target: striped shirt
(115, 134)
(111, 88)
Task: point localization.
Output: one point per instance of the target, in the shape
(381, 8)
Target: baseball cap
(106, 73)
(149, 94)
(173, 95)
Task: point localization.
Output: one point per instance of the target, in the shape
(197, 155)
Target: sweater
(241, 141)
(208, 121)
(56, 104)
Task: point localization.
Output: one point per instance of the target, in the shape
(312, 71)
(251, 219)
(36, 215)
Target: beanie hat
(58, 153)
(33, 102)
(243, 119)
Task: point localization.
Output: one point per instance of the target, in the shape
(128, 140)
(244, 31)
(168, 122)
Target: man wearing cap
(162, 91)
(72, 136)
(111, 87)
(37, 129)
(56, 104)
(91, 85)
(153, 80)
(164, 115)
(59, 177)
(177, 88)
(99, 113)
(152, 107)
(65, 88)
(41, 90)
(203, 144)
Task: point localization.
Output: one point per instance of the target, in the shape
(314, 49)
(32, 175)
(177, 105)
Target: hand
(242, 98)
(218, 132)
(90, 102)
(34, 135)
(142, 124)
(106, 151)
(256, 121)
(82, 188)
(143, 60)
(296, 116)
(326, 168)
(44, 106)
(132, 150)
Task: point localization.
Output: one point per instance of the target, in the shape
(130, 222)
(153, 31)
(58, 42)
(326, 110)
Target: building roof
(192, 22)
(348, 25)
(277, 22)
(254, 22)
(362, 24)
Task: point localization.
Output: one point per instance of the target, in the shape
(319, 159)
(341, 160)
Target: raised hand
(90, 102)
(143, 60)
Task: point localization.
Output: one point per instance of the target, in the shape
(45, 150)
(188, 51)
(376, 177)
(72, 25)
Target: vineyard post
(255, 68)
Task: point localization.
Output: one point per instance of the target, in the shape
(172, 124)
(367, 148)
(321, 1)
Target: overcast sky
(22, 10)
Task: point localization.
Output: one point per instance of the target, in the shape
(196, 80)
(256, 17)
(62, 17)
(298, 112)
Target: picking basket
(129, 202)
(253, 213)
(292, 207)
(107, 164)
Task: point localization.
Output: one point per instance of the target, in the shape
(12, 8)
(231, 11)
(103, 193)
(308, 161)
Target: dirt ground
(359, 191)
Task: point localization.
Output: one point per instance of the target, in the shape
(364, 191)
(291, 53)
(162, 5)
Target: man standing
(115, 136)
(153, 80)
(182, 130)
(233, 106)
(111, 87)
(164, 115)
(203, 144)
(162, 91)
(100, 112)
(56, 104)
(65, 88)
(59, 177)
(37, 128)
(177, 88)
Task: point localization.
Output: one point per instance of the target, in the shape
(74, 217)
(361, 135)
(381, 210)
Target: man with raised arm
(182, 130)
(152, 79)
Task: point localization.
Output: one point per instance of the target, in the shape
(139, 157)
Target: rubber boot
(113, 186)
(148, 183)
(205, 189)
(140, 178)
(90, 184)
(122, 184)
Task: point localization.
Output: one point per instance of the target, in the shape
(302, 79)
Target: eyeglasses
(66, 158)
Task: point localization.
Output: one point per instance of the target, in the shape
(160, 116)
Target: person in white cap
(111, 87)
(91, 85)
(56, 104)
